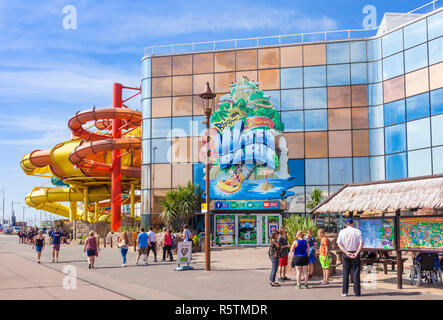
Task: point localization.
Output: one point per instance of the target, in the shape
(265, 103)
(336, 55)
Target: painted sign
(421, 233)
(247, 229)
(377, 233)
(184, 252)
(225, 229)
(247, 148)
(246, 205)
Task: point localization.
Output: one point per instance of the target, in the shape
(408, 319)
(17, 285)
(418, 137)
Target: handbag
(293, 262)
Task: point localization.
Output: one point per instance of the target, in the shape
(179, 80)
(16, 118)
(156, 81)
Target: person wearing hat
(350, 243)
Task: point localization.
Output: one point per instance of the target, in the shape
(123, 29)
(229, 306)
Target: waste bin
(202, 241)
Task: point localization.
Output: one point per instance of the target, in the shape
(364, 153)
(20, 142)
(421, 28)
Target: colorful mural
(248, 151)
(421, 233)
(225, 229)
(377, 233)
(247, 229)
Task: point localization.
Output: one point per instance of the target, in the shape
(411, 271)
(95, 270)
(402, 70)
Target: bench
(384, 261)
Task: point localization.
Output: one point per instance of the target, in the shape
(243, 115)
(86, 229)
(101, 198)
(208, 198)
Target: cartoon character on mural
(248, 151)
(421, 233)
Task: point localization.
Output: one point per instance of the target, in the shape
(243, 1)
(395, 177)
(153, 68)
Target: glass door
(247, 229)
(225, 229)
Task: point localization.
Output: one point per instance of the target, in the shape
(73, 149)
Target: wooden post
(85, 203)
(398, 250)
(132, 201)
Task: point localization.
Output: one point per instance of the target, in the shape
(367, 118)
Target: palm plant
(316, 196)
(295, 222)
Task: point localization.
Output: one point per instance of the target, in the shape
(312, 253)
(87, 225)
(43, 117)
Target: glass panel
(419, 133)
(395, 138)
(181, 150)
(374, 49)
(182, 106)
(250, 75)
(339, 97)
(392, 42)
(146, 88)
(161, 107)
(291, 78)
(181, 126)
(291, 56)
(223, 82)
(161, 87)
(181, 85)
(417, 82)
(358, 73)
(200, 82)
(396, 166)
(360, 143)
(315, 98)
(316, 171)
(296, 203)
(197, 146)
(377, 166)
(161, 127)
(417, 106)
(416, 58)
(394, 112)
(182, 64)
(437, 156)
(360, 118)
(340, 144)
(293, 120)
(198, 128)
(338, 75)
(359, 96)
(161, 175)
(394, 89)
(203, 63)
(274, 96)
(198, 173)
(316, 120)
(296, 145)
(292, 99)
(376, 142)
(435, 25)
(337, 52)
(161, 66)
(146, 183)
(393, 66)
(376, 117)
(314, 54)
(146, 68)
(224, 61)
(415, 33)
(419, 163)
(268, 58)
(339, 119)
(436, 50)
(358, 51)
(314, 76)
(246, 59)
(436, 76)
(361, 169)
(316, 144)
(374, 72)
(181, 174)
(146, 126)
(161, 150)
(375, 94)
(437, 101)
(146, 108)
(297, 170)
(146, 151)
(156, 195)
(437, 132)
(340, 170)
(269, 79)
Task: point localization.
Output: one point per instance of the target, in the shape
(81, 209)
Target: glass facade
(353, 111)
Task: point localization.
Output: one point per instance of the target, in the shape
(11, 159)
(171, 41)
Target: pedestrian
(350, 243)
(312, 245)
(151, 244)
(56, 240)
(39, 244)
(324, 256)
(142, 243)
(187, 235)
(91, 248)
(300, 261)
(284, 253)
(274, 255)
(123, 244)
(167, 244)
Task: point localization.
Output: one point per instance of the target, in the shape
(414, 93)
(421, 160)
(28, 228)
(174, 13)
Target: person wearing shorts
(56, 240)
(311, 257)
(142, 244)
(300, 247)
(324, 256)
(284, 253)
(39, 243)
(91, 248)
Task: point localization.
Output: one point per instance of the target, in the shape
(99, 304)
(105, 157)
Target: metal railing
(255, 42)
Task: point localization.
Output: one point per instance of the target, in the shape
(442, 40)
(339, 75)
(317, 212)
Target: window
(293, 120)
(374, 49)
(161, 151)
(375, 94)
(437, 155)
(146, 153)
(435, 25)
(340, 143)
(392, 43)
(394, 89)
(340, 170)
(394, 112)
(315, 98)
(246, 60)
(419, 163)
(274, 96)
(181, 126)
(393, 66)
(417, 106)
(415, 33)
(296, 145)
(297, 170)
(296, 202)
(361, 169)
(291, 56)
(268, 58)
(161, 127)
(316, 171)
(224, 61)
(339, 119)
(419, 133)
(358, 73)
(377, 168)
(374, 72)
(182, 64)
(316, 120)
(316, 144)
(146, 88)
(146, 129)
(146, 108)
(146, 68)
(416, 58)
(203, 63)
(376, 117)
(376, 142)
(417, 82)
(396, 166)
(161, 66)
(198, 128)
(437, 132)
(337, 52)
(292, 99)
(198, 176)
(161, 87)
(339, 96)
(291, 78)
(338, 75)
(395, 138)
(358, 51)
(314, 76)
(436, 50)
(437, 101)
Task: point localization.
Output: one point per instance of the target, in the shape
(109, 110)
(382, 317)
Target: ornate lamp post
(208, 105)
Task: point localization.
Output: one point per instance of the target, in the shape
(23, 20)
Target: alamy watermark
(370, 20)
(70, 18)
(70, 280)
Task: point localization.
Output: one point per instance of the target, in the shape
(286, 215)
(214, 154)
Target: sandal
(275, 285)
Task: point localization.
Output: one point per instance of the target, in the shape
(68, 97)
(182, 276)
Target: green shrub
(295, 223)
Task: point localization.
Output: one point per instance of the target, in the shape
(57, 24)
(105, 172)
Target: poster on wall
(377, 233)
(248, 151)
(225, 229)
(247, 229)
(421, 233)
(273, 224)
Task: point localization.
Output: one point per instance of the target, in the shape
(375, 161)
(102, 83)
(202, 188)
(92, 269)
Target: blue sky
(48, 73)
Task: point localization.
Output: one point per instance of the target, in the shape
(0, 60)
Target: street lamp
(208, 105)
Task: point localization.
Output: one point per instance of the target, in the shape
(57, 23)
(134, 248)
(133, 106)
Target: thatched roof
(412, 193)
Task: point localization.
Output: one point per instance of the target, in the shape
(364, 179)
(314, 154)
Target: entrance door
(269, 223)
(247, 229)
(225, 229)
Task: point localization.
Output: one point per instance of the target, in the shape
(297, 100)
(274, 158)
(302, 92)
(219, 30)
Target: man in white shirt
(350, 243)
(151, 243)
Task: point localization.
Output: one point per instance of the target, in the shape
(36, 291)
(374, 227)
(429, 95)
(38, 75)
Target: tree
(316, 195)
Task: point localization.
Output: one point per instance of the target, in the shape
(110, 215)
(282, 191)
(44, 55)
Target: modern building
(337, 111)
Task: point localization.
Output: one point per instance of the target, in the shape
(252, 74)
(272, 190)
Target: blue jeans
(274, 269)
(124, 252)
